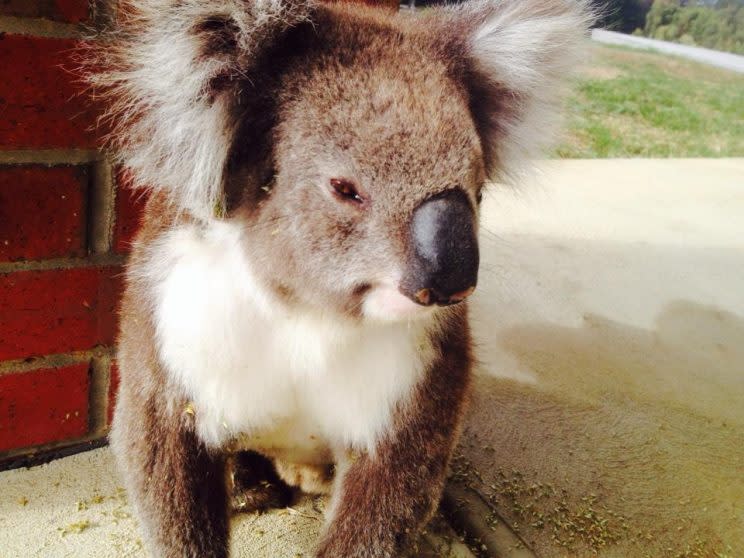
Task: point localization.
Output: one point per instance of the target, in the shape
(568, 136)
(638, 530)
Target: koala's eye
(345, 189)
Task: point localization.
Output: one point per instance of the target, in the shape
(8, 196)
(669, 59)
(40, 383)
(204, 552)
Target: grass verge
(632, 103)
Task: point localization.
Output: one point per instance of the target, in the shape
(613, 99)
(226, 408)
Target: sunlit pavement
(609, 415)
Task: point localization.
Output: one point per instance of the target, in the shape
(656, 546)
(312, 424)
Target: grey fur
(239, 112)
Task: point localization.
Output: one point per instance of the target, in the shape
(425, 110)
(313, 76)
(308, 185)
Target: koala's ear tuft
(170, 73)
(515, 58)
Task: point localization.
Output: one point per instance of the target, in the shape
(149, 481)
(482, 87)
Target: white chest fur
(291, 382)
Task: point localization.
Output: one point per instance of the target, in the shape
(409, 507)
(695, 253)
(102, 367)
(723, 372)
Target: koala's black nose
(443, 263)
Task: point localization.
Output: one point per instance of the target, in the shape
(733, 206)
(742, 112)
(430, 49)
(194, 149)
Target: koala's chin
(295, 312)
(387, 304)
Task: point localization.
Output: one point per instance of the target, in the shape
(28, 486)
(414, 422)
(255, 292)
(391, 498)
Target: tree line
(716, 24)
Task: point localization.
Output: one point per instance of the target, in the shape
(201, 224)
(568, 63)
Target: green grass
(632, 103)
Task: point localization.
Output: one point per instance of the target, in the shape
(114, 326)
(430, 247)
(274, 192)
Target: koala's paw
(255, 486)
(260, 498)
(311, 479)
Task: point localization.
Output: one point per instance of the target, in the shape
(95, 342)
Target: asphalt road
(733, 62)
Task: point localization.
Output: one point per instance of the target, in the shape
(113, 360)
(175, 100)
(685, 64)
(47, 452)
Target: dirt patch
(600, 72)
(677, 66)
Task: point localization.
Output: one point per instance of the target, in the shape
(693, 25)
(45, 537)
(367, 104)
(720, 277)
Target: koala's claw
(260, 498)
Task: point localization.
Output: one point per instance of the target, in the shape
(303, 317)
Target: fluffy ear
(518, 55)
(170, 73)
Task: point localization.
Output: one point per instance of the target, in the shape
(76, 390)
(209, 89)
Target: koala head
(351, 145)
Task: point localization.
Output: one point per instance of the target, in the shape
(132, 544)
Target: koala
(296, 302)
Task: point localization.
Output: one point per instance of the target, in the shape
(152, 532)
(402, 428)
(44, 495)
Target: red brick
(70, 11)
(42, 212)
(130, 205)
(41, 100)
(56, 311)
(43, 406)
(113, 390)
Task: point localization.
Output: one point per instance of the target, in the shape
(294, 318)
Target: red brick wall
(65, 230)
(64, 234)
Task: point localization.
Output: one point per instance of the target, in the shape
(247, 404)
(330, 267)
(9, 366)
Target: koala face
(350, 145)
(377, 172)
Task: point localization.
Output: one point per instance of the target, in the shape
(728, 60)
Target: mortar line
(100, 378)
(94, 260)
(50, 156)
(100, 207)
(39, 27)
(57, 360)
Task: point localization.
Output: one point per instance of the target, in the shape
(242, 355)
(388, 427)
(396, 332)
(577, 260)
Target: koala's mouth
(385, 302)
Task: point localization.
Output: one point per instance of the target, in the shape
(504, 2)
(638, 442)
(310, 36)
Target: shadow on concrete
(630, 442)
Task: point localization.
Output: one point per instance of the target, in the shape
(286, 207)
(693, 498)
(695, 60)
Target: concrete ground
(608, 415)
(609, 412)
(75, 507)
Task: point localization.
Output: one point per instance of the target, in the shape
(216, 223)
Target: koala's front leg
(382, 500)
(176, 485)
